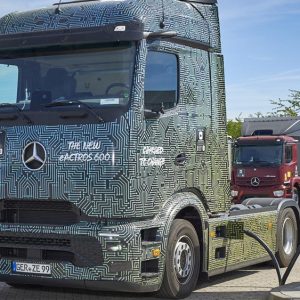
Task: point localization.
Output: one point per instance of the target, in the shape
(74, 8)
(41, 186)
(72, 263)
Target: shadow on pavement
(230, 296)
(37, 292)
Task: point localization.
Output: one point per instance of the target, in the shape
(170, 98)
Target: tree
(281, 108)
(288, 107)
(234, 127)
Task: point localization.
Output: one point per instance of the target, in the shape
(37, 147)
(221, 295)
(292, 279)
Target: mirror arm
(150, 114)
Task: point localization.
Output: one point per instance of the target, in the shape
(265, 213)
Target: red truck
(266, 159)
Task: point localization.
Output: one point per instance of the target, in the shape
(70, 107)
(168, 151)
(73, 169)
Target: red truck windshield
(258, 155)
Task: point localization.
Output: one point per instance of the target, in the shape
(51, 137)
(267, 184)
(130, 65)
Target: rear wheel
(182, 261)
(286, 237)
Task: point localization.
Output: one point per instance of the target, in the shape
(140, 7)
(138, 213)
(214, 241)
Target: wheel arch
(291, 204)
(278, 203)
(191, 214)
(187, 206)
(296, 185)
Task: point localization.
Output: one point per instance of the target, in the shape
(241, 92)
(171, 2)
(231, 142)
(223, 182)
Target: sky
(260, 40)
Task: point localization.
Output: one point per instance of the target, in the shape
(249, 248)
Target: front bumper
(83, 255)
(246, 192)
(98, 285)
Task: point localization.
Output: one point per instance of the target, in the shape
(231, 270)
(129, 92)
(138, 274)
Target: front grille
(45, 255)
(54, 255)
(13, 253)
(48, 212)
(264, 181)
(37, 205)
(35, 241)
(81, 250)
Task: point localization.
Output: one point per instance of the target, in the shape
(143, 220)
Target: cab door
(162, 156)
(290, 167)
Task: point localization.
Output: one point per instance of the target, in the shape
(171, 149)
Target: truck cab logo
(255, 181)
(34, 156)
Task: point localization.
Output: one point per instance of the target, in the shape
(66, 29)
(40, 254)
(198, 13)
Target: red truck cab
(265, 166)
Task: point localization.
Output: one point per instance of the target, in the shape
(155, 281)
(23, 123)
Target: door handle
(180, 159)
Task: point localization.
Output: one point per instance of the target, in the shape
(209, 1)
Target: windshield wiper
(242, 163)
(18, 111)
(264, 162)
(57, 103)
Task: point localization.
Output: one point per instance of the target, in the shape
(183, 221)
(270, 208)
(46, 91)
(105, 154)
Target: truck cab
(107, 136)
(265, 166)
(114, 154)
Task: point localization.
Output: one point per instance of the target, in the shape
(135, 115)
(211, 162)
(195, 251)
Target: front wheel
(286, 237)
(182, 261)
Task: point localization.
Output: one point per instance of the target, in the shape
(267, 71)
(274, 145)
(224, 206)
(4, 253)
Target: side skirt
(239, 266)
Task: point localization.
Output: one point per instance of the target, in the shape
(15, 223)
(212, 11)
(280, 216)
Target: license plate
(18, 267)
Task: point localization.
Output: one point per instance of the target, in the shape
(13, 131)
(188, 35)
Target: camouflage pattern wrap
(121, 193)
(246, 250)
(140, 190)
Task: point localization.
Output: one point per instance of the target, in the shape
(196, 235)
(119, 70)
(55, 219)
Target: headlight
(234, 193)
(278, 193)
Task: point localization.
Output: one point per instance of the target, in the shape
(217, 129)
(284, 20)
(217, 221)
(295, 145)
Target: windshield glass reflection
(258, 155)
(97, 76)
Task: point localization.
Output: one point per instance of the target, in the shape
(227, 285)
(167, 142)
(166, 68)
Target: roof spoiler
(201, 1)
(125, 31)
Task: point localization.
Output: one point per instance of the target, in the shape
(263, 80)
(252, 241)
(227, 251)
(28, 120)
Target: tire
(181, 274)
(286, 237)
(295, 195)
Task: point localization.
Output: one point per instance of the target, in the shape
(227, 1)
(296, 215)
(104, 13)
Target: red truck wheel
(286, 237)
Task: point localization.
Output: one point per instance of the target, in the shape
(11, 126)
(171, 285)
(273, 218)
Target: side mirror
(150, 114)
(153, 113)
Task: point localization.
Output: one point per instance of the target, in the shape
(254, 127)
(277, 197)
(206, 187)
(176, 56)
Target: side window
(161, 81)
(288, 154)
(9, 83)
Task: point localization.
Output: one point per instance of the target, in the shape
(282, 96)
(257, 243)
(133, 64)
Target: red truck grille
(264, 181)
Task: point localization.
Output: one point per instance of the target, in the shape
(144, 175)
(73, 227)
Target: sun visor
(126, 31)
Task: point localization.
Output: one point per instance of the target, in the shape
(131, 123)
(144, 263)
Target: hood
(82, 164)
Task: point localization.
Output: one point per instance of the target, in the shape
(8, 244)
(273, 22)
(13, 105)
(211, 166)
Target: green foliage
(281, 108)
(258, 115)
(234, 127)
(288, 107)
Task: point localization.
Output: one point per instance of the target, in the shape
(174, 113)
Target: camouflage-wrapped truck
(113, 151)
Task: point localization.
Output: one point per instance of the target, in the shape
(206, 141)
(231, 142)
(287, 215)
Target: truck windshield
(258, 155)
(99, 76)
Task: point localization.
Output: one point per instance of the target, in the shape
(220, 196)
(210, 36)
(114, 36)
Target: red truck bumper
(240, 194)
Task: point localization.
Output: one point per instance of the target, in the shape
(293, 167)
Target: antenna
(58, 10)
(162, 21)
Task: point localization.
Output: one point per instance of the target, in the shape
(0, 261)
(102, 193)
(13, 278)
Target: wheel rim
(288, 236)
(184, 259)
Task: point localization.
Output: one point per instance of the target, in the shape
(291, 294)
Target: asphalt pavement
(250, 283)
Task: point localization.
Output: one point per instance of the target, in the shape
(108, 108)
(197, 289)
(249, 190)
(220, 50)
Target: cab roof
(267, 138)
(196, 1)
(190, 19)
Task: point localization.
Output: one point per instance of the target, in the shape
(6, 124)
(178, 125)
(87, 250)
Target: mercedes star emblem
(34, 156)
(255, 181)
